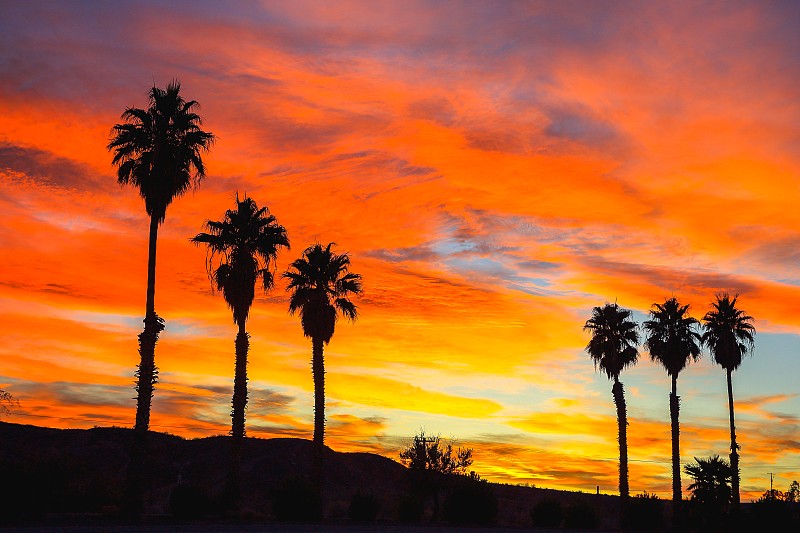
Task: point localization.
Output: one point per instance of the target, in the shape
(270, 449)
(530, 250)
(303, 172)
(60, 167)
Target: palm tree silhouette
(673, 341)
(613, 348)
(711, 488)
(728, 332)
(242, 247)
(321, 283)
(157, 150)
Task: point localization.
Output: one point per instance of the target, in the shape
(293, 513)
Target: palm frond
(159, 149)
(243, 247)
(613, 345)
(320, 282)
(728, 332)
(671, 336)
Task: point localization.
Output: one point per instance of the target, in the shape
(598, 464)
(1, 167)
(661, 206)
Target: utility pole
(770, 484)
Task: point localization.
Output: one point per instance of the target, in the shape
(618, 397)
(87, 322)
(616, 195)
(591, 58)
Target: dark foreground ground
(50, 472)
(271, 528)
(54, 480)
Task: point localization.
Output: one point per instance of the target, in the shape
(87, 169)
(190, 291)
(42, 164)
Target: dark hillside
(52, 471)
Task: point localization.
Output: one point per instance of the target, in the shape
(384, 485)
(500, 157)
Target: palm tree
(242, 248)
(673, 341)
(321, 283)
(613, 348)
(729, 334)
(157, 150)
(711, 488)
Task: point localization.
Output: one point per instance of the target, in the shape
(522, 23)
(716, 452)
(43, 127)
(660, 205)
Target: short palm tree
(157, 150)
(711, 484)
(729, 334)
(242, 247)
(673, 341)
(321, 284)
(613, 347)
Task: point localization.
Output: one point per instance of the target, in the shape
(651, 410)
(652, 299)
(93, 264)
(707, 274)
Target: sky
(494, 170)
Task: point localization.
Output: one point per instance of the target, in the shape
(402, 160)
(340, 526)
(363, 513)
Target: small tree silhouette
(430, 458)
(7, 402)
(432, 454)
(711, 489)
(793, 494)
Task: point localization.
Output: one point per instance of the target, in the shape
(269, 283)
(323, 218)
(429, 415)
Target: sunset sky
(495, 170)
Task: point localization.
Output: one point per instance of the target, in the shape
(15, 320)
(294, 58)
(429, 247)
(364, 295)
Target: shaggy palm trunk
(239, 402)
(674, 407)
(146, 376)
(318, 372)
(238, 432)
(622, 423)
(734, 450)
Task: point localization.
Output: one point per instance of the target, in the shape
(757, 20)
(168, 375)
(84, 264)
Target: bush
(471, 502)
(410, 509)
(296, 500)
(774, 515)
(581, 515)
(188, 502)
(645, 512)
(547, 513)
(364, 507)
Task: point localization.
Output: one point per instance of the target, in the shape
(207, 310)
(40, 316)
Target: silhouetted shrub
(471, 502)
(364, 507)
(581, 515)
(774, 515)
(296, 500)
(547, 513)
(411, 508)
(189, 502)
(645, 512)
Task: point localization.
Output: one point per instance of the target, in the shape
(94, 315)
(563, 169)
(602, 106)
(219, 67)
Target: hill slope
(48, 470)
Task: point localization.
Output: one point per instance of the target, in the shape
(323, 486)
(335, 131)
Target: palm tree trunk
(674, 407)
(147, 373)
(318, 372)
(239, 401)
(622, 423)
(146, 377)
(231, 493)
(734, 449)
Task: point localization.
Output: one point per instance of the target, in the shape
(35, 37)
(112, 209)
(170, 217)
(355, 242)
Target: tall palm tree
(673, 341)
(613, 347)
(242, 247)
(157, 150)
(321, 284)
(729, 334)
